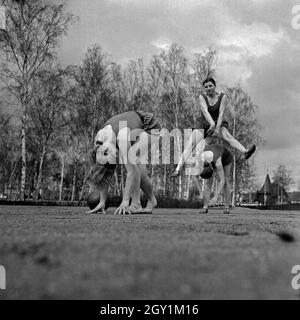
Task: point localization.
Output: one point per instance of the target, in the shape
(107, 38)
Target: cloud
(239, 44)
(169, 4)
(253, 40)
(162, 43)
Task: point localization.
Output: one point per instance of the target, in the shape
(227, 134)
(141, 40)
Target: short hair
(208, 171)
(209, 80)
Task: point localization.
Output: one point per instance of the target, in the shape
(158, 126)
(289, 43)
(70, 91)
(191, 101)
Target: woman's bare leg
(196, 180)
(227, 188)
(146, 186)
(195, 140)
(207, 191)
(227, 137)
(133, 177)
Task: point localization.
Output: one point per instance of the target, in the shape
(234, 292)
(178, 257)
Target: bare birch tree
(33, 30)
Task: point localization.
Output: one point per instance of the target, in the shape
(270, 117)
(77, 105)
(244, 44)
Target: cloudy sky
(256, 44)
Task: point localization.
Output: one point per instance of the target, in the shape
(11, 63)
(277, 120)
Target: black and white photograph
(149, 151)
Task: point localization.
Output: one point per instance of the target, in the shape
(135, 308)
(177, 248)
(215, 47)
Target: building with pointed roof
(271, 193)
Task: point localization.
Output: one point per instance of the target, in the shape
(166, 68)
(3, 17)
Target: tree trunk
(117, 191)
(179, 148)
(23, 150)
(233, 182)
(165, 180)
(153, 178)
(180, 186)
(74, 182)
(234, 169)
(61, 179)
(83, 185)
(215, 186)
(39, 179)
(11, 179)
(35, 178)
(188, 184)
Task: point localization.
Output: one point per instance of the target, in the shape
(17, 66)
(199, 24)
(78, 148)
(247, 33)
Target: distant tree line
(44, 150)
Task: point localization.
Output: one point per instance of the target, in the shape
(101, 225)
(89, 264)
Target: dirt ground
(63, 253)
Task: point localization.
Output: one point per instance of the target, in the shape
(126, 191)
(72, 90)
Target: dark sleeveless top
(218, 151)
(214, 109)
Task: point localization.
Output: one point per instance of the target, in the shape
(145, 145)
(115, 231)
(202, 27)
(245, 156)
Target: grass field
(63, 253)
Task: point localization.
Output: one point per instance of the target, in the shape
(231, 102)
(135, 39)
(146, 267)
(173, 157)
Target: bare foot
(150, 206)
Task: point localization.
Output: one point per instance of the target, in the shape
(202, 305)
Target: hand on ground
(100, 208)
(123, 208)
